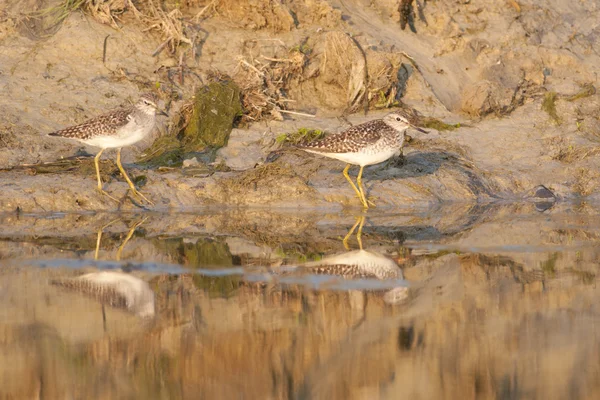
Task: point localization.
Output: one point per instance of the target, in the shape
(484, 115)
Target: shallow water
(459, 301)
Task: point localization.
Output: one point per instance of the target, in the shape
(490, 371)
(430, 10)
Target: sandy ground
(487, 65)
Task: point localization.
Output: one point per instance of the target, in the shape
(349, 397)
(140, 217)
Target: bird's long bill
(419, 129)
(162, 112)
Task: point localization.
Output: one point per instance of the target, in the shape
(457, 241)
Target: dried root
(264, 80)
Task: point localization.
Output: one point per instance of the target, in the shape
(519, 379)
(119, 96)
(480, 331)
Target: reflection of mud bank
(469, 321)
(261, 238)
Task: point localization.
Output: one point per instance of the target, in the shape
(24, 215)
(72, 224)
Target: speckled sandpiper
(117, 129)
(114, 288)
(362, 264)
(365, 144)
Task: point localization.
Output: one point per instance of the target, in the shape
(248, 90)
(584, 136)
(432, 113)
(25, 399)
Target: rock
(244, 150)
(240, 158)
(480, 98)
(216, 107)
(275, 183)
(164, 152)
(543, 193)
(192, 162)
(543, 198)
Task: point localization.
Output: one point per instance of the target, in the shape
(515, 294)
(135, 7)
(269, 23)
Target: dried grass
(77, 165)
(264, 80)
(564, 151)
(383, 79)
(170, 24)
(345, 63)
(107, 11)
(174, 27)
(586, 181)
(571, 154)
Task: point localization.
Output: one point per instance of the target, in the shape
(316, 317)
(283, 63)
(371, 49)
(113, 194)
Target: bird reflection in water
(114, 288)
(362, 264)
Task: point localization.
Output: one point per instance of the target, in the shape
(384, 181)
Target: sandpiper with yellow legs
(363, 264)
(116, 289)
(366, 144)
(117, 129)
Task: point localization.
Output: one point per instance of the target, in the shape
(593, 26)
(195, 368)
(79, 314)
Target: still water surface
(492, 301)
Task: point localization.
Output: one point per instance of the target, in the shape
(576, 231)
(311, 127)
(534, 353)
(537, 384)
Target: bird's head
(148, 103)
(400, 122)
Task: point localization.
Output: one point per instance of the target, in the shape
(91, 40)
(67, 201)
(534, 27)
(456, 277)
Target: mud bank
(517, 83)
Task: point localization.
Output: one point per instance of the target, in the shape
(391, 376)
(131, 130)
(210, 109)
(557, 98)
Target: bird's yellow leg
(131, 185)
(128, 237)
(97, 164)
(360, 221)
(358, 193)
(359, 232)
(363, 198)
(99, 237)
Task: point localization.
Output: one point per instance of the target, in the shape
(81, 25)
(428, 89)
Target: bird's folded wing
(104, 125)
(351, 140)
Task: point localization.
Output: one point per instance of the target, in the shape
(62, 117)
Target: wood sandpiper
(366, 144)
(362, 264)
(117, 129)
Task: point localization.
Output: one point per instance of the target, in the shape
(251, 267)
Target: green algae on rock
(204, 253)
(302, 135)
(213, 113)
(587, 90)
(549, 105)
(216, 107)
(438, 125)
(166, 151)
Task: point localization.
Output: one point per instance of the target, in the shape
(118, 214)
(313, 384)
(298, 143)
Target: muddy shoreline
(519, 95)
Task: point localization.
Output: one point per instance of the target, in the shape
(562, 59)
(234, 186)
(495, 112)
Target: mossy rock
(218, 286)
(208, 253)
(216, 107)
(248, 180)
(205, 253)
(165, 152)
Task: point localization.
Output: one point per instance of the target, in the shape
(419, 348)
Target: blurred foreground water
(461, 301)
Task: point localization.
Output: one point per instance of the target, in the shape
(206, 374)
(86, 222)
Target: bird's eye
(398, 119)
(146, 102)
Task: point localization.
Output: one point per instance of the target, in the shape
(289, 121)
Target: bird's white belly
(363, 157)
(126, 136)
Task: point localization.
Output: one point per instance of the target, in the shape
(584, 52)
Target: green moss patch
(549, 105)
(438, 125)
(202, 126)
(587, 90)
(215, 109)
(166, 151)
(302, 135)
